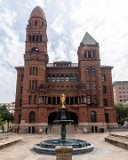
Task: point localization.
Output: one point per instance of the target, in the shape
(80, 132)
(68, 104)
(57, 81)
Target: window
(105, 102)
(89, 54)
(30, 38)
(87, 71)
(53, 78)
(36, 71)
(93, 116)
(32, 117)
(94, 85)
(22, 78)
(88, 99)
(93, 54)
(88, 85)
(95, 101)
(62, 77)
(21, 90)
(35, 99)
(104, 89)
(20, 102)
(49, 100)
(37, 38)
(30, 99)
(103, 78)
(30, 71)
(66, 78)
(106, 117)
(49, 78)
(58, 78)
(53, 100)
(35, 23)
(33, 38)
(86, 54)
(93, 71)
(33, 84)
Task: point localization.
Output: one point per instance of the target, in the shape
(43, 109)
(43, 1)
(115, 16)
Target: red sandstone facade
(86, 84)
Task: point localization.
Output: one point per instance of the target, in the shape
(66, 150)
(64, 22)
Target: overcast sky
(67, 21)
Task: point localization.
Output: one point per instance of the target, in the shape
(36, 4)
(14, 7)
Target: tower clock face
(35, 49)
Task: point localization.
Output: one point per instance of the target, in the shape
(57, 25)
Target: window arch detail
(32, 117)
(93, 116)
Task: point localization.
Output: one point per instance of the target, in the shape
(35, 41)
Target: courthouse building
(86, 84)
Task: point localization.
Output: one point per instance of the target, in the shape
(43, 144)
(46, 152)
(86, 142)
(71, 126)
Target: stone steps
(6, 141)
(71, 129)
(118, 140)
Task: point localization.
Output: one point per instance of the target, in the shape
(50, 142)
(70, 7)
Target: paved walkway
(102, 150)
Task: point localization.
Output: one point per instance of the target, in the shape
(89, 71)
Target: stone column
(64, 152)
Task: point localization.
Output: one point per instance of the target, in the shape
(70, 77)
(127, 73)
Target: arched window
(32, 117)
(93, 116)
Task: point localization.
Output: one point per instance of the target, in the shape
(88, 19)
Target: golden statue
(62, 98)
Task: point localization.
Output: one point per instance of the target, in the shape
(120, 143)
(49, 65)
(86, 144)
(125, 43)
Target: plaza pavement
(102, 150)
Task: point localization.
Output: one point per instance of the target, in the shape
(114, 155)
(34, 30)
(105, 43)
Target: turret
(36, 37)
(88, 49)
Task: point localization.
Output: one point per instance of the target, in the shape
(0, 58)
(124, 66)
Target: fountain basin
(48, 146)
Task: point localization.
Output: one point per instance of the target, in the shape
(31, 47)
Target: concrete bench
(10, 140)
(118, 140)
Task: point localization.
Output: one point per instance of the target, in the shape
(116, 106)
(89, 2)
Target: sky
(67, 22)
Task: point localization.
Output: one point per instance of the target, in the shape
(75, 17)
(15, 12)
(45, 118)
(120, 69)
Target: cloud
(67, 23)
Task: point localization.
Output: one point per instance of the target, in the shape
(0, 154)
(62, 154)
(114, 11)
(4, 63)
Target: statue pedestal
(64, 152)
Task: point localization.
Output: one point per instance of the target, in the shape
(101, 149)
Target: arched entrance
(56, 116)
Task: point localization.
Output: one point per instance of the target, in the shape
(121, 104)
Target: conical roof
(37, 12)
(89, 40)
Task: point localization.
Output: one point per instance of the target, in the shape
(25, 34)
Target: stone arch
(32, 117)
(93, 116)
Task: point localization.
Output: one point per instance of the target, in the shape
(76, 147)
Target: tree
(9, 118)
(5, 115)
(2, 124)
(122, 112)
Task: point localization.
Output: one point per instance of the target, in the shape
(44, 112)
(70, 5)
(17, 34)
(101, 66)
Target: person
(46, 130)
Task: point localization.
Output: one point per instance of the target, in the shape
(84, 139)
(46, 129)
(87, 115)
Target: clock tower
(35, 61)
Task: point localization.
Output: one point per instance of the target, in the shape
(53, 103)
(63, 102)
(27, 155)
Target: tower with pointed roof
(86, 84)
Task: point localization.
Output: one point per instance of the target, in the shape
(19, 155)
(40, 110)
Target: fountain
(48, 146)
